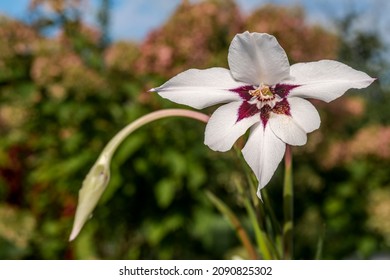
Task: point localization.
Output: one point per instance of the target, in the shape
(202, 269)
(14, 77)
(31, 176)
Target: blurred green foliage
(62, 98)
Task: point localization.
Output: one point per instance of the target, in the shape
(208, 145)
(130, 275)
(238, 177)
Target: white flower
(264, 93)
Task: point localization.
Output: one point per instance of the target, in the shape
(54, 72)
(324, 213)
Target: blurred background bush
(63, 96)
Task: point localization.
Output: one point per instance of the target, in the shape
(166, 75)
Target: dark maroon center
(249, 109)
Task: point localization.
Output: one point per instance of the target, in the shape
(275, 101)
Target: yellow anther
(255, 92)
(263, 92)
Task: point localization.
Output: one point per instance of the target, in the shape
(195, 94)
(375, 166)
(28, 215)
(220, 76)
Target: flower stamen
(262, 93)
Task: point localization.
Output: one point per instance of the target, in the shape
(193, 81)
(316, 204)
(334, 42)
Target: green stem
(261, 237)
(288, 199)
(274, 229)
(259, 233)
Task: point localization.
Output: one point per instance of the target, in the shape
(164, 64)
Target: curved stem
(98, 176)
(121, 135)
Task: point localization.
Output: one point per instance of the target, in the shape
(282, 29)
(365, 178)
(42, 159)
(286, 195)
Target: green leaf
(235, 222)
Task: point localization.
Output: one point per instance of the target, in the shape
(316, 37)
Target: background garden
(64, 95)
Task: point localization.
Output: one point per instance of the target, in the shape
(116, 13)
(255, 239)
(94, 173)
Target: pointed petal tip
(75, 232)
(372, 79)
(152, 90)
(259, 193)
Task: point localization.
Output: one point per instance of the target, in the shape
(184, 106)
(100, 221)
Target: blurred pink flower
(185, 41)
(372, 140)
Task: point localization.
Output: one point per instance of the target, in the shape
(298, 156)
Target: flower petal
(304, 114)
(287, 129)
(224, 128)
(201, 88)
(256, 58)
(326, 79)
(263, 152)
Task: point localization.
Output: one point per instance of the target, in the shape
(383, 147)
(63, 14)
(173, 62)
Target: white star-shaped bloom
(261, 91)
